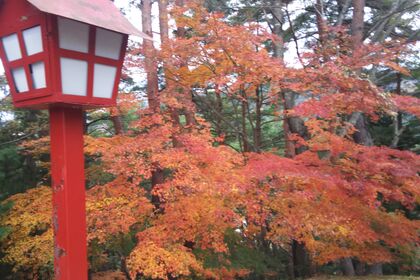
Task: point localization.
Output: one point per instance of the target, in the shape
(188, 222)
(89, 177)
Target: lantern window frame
(91, 58)
(26, 60)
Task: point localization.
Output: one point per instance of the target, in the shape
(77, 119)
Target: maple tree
(170, 179)
(220, 63)
(29, 239)
(335, 89)
(28, 242)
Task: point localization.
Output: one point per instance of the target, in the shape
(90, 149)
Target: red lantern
(63, 51)
(65, 55)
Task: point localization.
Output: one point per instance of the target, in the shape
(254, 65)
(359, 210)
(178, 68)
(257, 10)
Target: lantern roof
(102, 13)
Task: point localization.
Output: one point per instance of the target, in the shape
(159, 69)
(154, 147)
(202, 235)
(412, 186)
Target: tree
(223, 195)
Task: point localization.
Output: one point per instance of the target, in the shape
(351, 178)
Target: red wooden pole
(68, 181)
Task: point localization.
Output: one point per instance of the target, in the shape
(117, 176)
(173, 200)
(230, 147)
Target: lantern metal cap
(102, 13)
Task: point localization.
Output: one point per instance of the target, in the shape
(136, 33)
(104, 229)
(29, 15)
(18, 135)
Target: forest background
(233, 161)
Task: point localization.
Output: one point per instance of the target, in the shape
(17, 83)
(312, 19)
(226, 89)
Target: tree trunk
(295, 124)
(357, 23)
(164, 38)
(360, 268)
(375, 269)
(302, 263)
(277, 25)
(189, 113)
(163, 21)
(219, 108)
(289, 146)
(299, 262)
(258, 119)
(150, 66)
(149, 52)
(362, 136)
(320, 21)
(291, 266)
(245, 142)
(398, 126)
(290, 125)
(187, 98)
(344, 6)
(118, 125)
(347, 266)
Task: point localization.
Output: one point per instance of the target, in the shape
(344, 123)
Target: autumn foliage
(180, 191)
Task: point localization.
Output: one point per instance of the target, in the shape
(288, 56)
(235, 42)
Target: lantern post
(65, 56)
(68, 183)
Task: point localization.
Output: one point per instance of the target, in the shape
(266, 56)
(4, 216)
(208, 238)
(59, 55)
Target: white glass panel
(104, 80)
(74, 76)
(19, 77)
(11, 47)
(108, 43)
(33, 40)
(73, 35)
(38, 75)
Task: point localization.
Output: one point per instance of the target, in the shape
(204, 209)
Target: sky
(134, 16)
